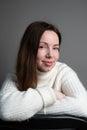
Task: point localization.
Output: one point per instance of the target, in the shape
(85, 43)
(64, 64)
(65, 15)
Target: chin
(47, 69)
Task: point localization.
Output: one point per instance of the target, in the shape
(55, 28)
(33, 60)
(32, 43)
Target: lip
(48, 63)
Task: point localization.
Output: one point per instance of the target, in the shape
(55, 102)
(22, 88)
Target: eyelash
(42, 47)
(55, 48)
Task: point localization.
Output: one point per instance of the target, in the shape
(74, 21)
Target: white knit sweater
(17, 105)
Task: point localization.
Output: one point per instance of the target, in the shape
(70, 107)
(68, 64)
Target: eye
(41, 46)
(56, 48)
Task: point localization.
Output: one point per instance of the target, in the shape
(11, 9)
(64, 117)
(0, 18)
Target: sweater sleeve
(21, 105)
(75, 100)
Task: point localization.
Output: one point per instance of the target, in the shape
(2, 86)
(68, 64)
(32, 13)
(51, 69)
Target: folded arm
(72, 99)
(21, 105)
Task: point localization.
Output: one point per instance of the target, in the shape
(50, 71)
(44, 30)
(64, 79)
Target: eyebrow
(48, 43)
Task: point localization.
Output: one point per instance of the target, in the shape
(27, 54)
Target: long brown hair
(26, 67)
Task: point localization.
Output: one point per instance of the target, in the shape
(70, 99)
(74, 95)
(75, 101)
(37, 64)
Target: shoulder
(10, 77)
(62, 65)
(10, 82)
(64, 68)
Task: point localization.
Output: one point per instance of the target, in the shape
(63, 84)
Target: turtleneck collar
(45, 75)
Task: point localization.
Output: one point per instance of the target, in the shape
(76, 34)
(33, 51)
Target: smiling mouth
(48, 63)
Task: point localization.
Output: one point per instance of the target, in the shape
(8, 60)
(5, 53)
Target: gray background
(69, 15)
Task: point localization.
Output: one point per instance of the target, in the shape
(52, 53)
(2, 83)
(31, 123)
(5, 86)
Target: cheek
(40, 55)
(57, 56)
(39, 59)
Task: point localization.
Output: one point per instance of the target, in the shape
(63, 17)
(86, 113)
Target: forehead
(49, 37)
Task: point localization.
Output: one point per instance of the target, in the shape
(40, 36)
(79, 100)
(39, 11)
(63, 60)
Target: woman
(41, 84)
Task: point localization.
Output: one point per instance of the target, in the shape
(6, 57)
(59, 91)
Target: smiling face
(48, 51)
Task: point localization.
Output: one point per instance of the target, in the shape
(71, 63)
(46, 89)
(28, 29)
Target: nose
(49, 53)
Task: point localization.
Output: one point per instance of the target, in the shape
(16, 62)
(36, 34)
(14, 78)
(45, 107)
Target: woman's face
(48, 51)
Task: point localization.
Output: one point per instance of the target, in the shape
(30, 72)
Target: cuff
(47, 95)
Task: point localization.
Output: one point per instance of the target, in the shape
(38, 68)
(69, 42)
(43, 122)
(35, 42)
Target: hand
(59, 95)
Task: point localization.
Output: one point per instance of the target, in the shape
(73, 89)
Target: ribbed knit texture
(17, 105)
